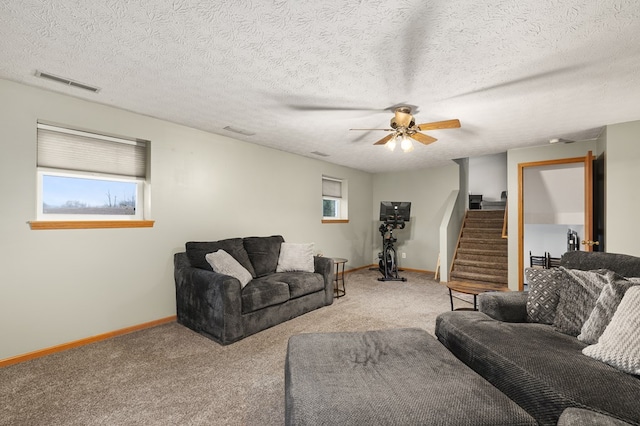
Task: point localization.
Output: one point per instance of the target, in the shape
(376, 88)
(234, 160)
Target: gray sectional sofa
(540, 365)
(221, 308)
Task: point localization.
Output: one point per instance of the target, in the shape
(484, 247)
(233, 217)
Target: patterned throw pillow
(544, 293)
(619, 345)
(223, 263)
(295, 257)
(606, 305)
(578, 296)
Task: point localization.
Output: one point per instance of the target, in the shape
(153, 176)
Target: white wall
(622, 161)
(63, 285)
(428, 191)
(554, 194)
(453, 219)
(541, 238)
(488, 176)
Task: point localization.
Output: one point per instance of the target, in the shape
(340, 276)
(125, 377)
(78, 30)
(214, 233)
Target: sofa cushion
(263, 292)
(544, 294)
(295, 257)
(578, 296)
(263, 253)
(619, 345)
(197, 250)
(622, 264)
(542, 370)
(223, 263)
(582, 417)
(300, 283)
(606, 305)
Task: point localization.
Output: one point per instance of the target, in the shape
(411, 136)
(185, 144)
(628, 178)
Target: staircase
(481, 255)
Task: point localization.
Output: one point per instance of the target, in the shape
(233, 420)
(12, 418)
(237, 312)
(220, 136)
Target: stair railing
(504, 221)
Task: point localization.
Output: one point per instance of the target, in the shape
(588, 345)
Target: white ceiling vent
(239, 131)
(67, 81)
(321, 154)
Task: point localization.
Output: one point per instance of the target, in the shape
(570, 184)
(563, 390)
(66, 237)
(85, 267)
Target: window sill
(335, 220)
(38, 225)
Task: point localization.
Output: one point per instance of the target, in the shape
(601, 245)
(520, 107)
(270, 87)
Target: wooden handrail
(504, 220)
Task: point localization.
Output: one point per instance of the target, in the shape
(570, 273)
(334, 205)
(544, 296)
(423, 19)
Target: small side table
(467, 289)
(339, 277)
(473, 289)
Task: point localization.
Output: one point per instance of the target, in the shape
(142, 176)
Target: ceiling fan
(404, 128)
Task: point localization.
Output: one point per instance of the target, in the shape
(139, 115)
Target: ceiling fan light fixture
(391, 145)
(406, 144)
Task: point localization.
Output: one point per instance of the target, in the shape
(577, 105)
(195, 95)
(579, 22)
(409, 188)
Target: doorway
(555, 207)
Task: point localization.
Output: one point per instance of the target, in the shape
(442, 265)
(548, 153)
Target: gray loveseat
(218, 307)
(540, 368)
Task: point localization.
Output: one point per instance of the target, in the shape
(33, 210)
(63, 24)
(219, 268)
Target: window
(334, 200)
(85, 176)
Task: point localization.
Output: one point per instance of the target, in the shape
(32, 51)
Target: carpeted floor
(169, 375)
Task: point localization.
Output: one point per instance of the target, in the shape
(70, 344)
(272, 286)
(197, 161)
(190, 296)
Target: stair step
(469, 253)
(498, 258)
(488, 223)
(493, 241)
(469, 276)
(485, 214)
(483, 244)
(479, 270)
(482, 233)
(478, 286)
(482, 264)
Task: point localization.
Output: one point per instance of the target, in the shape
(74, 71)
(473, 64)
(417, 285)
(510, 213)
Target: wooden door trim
(521, 167)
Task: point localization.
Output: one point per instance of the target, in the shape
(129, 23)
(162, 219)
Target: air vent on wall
(67, 81)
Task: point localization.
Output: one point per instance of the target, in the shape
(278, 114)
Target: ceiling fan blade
(403, 119)
(447, 124)
(422, 138)
(384, 130)
(385, 139)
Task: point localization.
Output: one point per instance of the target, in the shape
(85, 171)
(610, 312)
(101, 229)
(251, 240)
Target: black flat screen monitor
(395, 211)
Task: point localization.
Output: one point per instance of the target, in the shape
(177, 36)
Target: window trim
(335, 220)
(39, 225)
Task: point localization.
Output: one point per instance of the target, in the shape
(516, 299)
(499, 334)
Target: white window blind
(331, 188)
(67, 149)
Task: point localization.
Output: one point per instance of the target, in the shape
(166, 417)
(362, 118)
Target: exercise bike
(388, 263)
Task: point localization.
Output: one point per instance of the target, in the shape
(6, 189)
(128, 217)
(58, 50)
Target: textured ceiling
(300, 74)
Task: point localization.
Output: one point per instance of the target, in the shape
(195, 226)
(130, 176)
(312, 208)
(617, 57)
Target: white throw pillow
(619, 345)
(295, 257)
(223, 263)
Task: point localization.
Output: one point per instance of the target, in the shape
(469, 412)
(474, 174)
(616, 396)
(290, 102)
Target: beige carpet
(169, 375)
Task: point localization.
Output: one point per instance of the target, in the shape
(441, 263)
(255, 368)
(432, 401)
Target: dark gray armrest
(207, 301)
(504, 306)
(580, 416)
(324, 266)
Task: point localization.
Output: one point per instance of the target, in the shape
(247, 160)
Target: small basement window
(89, 180)
(334, 200)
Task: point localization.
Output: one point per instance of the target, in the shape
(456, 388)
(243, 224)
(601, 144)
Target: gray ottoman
(387, 377)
